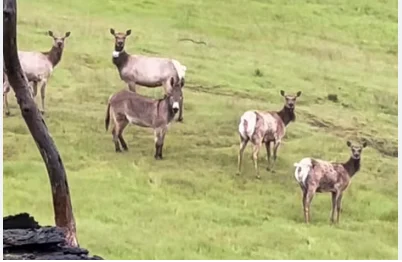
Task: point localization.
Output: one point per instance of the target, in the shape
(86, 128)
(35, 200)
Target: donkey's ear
(172, 81)
(128, 32)
(112, 31)
(298, 94)
(67, 34)
(282, 93)
(182, 82)
(50, 33)
(348, 143)
(364, 144)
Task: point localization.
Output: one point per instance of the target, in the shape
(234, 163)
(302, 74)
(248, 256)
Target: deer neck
(287, 115)
(352, 166)
(54, 55)
(120, 58)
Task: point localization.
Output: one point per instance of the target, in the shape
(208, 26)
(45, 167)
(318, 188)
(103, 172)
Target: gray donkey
(316, 175)
(265, 127)
(126, 107)
(38, 66)
(144, 70)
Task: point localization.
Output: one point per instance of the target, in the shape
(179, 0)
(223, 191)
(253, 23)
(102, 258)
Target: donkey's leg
(180, 119)
(122, 124)
(115, 139)
(243, 144)
(159, 140)
(338, 205)
(256, 150)
(42, 95)
(268, 147)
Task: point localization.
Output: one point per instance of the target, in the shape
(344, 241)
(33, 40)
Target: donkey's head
(356, 150)
(175, 94)
(119, 39)
(58, 42)
(290, 100)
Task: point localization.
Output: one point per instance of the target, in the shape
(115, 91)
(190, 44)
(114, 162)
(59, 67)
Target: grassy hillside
(191, 205)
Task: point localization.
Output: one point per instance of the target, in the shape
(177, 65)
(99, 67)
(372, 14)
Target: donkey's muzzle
(175, 107)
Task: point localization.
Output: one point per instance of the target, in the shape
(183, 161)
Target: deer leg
(276, 146)
(333, 194)
(338, 206)
(159, 139)
(122, 125)
(42, 95)
(256, 150)
(34, 88)
(243, 144)
(131, 86)
(268, 147)
(307, 202)
(5, 104)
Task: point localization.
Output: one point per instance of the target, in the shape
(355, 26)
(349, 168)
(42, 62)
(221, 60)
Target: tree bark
(63, 212)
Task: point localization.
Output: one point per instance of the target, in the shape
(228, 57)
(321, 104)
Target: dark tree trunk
(64, 217)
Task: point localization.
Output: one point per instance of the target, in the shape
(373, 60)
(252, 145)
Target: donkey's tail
(302, 170)
(107, 118)
(180, 69)
(248, 122)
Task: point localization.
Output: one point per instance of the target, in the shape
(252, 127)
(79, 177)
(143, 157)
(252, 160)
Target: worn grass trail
(191, 205)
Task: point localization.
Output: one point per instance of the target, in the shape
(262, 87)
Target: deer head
(356, 149)
(119, 39)
(58, 42)
(290, 100)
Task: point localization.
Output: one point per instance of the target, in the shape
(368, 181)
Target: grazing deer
(265, 127)
(144, 70)
(316, 175)
(38, 66)
(126, 107)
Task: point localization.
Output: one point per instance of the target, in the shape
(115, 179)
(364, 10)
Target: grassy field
(191, 205)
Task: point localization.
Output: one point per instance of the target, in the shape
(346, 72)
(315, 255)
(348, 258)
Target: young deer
(265, 127)
(144, 70)
(316, 175)
(126, 107)
(38, 66)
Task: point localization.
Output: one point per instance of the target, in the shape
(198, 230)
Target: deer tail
(302, 170)
(107, 118)
(247, 124)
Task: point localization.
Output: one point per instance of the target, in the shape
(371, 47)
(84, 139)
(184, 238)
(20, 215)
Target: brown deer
(38, 66)
(144, 70)
(265, 127)
(316, 175)
(126, 107)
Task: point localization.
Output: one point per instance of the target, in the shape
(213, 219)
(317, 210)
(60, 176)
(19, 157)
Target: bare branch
(64, 217)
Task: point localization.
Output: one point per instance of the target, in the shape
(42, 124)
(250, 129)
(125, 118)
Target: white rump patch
(180, 69)
(247, 124)
(115, 54)
(176, 105)
(302, 170)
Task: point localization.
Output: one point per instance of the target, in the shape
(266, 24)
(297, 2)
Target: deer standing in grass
(316, 175)
(126, 107)
(38, 66)
(265, 127)
(144, 70)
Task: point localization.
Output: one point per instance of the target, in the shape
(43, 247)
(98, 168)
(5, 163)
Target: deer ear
(50, 33)
(282, 93)
(298, 93)
(112, 31)
(128, 32)
(364, 144)
(348, 143)
(67, 34)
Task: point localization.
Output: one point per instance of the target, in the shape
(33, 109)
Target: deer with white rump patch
(265, 127)
(144, 70)
(316, 175)
(38, 66)
(126, 107)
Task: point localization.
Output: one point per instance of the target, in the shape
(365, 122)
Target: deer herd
(128, 107)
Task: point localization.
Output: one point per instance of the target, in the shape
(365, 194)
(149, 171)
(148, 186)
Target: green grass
(195, 207)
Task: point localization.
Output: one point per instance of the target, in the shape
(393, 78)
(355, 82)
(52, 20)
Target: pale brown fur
(145, 70)
(265, 127)
(126, 107)
(316, 175)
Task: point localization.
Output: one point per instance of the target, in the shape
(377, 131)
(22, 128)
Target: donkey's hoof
(180, 119)
(125, 149)
(118, 150)
(158, 157)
